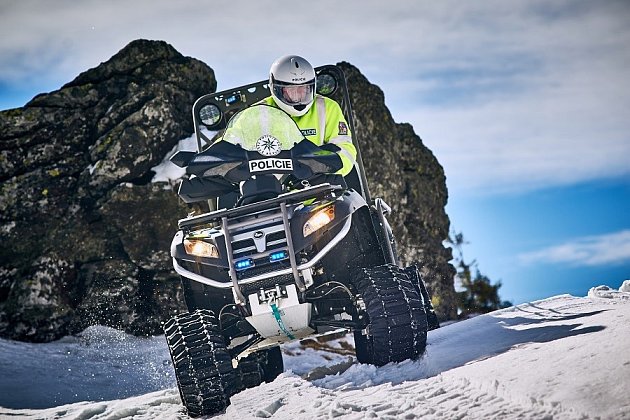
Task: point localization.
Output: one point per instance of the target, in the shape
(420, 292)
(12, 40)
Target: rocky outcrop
(405, 173)
(85, 235)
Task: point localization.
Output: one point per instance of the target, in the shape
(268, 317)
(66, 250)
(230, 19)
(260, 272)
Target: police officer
(292, 86)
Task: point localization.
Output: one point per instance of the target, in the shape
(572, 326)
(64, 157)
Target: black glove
(332, 179)
(331, 147)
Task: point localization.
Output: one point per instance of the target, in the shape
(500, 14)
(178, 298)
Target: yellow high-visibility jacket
(323, 124)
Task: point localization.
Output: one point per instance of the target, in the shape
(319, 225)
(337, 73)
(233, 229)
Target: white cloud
(609, 249)
(545, 105)
(511, 96)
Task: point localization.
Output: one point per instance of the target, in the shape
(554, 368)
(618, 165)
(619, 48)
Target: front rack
(290, 197)
(227, 215)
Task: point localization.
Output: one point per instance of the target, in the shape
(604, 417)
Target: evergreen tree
(476, 294)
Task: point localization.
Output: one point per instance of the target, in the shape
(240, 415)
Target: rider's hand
(332, 179)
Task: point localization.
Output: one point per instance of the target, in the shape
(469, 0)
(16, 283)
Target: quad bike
(286, 250)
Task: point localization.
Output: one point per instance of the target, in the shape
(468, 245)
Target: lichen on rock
(61, 156)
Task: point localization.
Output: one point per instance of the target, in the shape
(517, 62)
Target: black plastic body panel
(360, 248)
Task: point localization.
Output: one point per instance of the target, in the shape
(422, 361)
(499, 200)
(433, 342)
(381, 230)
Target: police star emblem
(268, 145)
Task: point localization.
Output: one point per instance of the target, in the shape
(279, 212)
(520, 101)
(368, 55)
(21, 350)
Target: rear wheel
(262, 366)
(203, 366)
(416, 280)
(397, 322)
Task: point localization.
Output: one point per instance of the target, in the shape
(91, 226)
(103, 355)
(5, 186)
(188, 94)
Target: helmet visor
(292, 94)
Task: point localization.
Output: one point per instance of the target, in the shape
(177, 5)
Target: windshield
(263, 128)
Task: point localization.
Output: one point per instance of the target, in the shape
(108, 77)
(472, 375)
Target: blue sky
(525, 103)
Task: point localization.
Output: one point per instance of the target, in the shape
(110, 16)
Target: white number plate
(260, 165)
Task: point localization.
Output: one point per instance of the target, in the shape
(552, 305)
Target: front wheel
(203, 366)
(421, 287)
(397, 322)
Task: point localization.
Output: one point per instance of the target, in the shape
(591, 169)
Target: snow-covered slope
(562, 357)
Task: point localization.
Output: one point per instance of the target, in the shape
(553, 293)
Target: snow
(608, 293)
(169, 172)
(100, 364)
(564, 357)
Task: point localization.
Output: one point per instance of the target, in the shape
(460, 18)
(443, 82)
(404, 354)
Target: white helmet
(292, 84)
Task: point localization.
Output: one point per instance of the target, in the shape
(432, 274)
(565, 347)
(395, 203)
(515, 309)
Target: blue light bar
(279, 255)
(243, 264)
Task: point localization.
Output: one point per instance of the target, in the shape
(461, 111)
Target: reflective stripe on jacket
(323, 124)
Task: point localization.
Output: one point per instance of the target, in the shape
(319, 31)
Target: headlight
(200, 248)
(319, 220)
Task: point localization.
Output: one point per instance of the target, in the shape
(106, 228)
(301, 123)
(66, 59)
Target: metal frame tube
(230, 258)
(287, 233)
(380, 207)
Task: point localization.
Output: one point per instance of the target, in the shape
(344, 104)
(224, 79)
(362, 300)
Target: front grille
(276, 240)
(276, 237)
(256, 237)
(243, 248)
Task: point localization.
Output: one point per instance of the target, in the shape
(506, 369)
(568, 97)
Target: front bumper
(305, 270)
